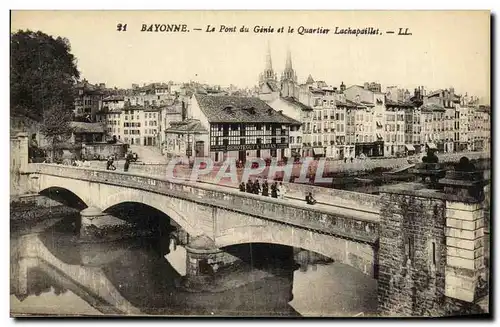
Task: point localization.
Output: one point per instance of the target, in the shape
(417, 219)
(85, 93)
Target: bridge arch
(358, 255)
(79, 201)
(156, 201)
(72, 185)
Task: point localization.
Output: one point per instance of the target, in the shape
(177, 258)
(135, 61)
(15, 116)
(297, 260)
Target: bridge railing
(327, 196)
(353, 223)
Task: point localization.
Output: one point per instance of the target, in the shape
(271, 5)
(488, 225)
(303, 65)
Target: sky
(446, 49)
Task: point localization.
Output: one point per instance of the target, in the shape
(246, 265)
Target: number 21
(121, 27)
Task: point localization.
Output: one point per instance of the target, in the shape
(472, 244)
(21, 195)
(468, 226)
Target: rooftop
(392, 103)
(233, 109)
(296, 103)
(188, 126)
(145, 108)
(346, 103)
(432, 107)
(81, 127)
(272, 86)
(89, 88)
(114, 98)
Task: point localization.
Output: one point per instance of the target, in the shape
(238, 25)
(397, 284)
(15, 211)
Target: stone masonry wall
(412, 256)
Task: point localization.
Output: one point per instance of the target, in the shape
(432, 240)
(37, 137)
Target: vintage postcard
(250, 163)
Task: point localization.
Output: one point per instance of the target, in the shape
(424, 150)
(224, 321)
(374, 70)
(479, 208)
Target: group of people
(129, 157)
(277, 190)
(254, 187)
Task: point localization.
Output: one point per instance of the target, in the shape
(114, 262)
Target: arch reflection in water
(128, 277)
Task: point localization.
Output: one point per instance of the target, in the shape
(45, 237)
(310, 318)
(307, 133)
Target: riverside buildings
(224, 127)
(362, 120)
(325, 121)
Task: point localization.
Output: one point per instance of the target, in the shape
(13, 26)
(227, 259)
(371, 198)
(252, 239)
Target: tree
(43, 75)
(56, 126)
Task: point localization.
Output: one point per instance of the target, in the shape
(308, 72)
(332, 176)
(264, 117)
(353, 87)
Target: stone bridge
(424, 242)
(222, 215)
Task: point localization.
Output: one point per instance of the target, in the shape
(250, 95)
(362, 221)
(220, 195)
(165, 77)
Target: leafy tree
(43, 75)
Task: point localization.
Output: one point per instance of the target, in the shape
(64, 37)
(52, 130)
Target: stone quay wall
(431, 258)
(410, 280)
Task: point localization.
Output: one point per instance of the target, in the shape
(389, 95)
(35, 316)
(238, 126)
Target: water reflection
(52, 273)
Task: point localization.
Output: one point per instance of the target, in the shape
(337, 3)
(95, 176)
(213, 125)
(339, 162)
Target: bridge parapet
(345, 223)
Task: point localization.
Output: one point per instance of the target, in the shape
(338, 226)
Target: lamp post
(189, 149)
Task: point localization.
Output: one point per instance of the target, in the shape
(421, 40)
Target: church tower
(289, 86)
(268, 76)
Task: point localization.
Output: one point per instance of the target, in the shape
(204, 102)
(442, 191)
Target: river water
(52, 273)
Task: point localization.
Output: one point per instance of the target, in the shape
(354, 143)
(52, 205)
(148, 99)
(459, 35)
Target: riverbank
(26, 211)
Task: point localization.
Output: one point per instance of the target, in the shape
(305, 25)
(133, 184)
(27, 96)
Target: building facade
(368, 136)
(241, 128)
(88, 101)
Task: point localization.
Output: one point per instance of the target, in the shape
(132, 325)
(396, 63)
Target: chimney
(184, 111)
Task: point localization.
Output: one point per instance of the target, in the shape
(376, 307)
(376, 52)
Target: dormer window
(250, 110)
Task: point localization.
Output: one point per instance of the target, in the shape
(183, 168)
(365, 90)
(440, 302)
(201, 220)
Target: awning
(431, 145)
(379, 124)
(379, 136)
(318, 151)
(409, 147)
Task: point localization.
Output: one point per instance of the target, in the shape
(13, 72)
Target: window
(434, 259)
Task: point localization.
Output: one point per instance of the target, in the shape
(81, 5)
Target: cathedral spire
(269, 62)
(288, 65)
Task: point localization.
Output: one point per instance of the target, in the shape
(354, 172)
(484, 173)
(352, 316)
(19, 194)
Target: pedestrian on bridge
(249, 187)
(274, 190)
(109, 163)
(242, 187)
(127, 162)
(256, 187)
(265, 188)
(310, 199)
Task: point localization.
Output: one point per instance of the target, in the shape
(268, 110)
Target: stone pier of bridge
(431, 246)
